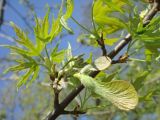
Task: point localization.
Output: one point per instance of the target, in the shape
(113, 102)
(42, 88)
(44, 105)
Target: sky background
(11, 15)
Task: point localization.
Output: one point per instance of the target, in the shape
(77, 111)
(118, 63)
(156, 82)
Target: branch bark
(102, 45)
(2, 4)
(112, 54)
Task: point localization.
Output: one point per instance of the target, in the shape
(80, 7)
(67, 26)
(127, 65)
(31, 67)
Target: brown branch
(112, 54)
(55, 85)
(122, 59)
(56, 99)
(152, 12)
(101, 43)
(120, 46)
(2, 4)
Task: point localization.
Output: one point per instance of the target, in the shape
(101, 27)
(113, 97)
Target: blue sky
(10, 15)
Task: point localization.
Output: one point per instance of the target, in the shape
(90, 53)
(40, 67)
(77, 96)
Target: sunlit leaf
(65, 25)
(44, 32)
(69, 9)
(110, 41)
(17, 49)
(102, 63)
(35, 75)
(87, 39)
(25, 77)
(24, 40)
(102, 15)
(56, 27)
(67, 15)
(89, 60)
(58, 57)
(19, 67)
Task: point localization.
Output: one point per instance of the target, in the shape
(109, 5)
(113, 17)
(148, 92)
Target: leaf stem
(81, 25)
(42, 58)
(72, 59)
(47, 52)
(93, 23)
(134, 59)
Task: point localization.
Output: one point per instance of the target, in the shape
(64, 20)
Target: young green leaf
(65, 25)
(69, 9)
(121, 93)
(110, 41)
(58, 57)
(24, 40)
(139, 82)
(102, 63)
(25, 77)
(69, 52)
(19, 67)
(42, 30)
(17, 49)
(89, 60)
(67, 15)
(56, 27)
(102, 12)
(35, 75)
(87, 39)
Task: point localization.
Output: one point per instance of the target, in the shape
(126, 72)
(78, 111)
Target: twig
(120, 46)
(55, 86)
(152, 12)
(101, 43)
(112, 54)
(122, 59)
(56, 99)
(2, 4)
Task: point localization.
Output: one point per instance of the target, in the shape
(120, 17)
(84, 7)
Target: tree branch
(112, 54)
(2, 4)
(56, 98)
(120, 46)
(101, 43)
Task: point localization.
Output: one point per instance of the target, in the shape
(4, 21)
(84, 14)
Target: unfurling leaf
(67, 15)
(19, 67)
(65, 25)
(121, 93)
(43, 31)
(24, 78)
(102, 15)
(102, 63)
(58, 57)
(23, 39)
